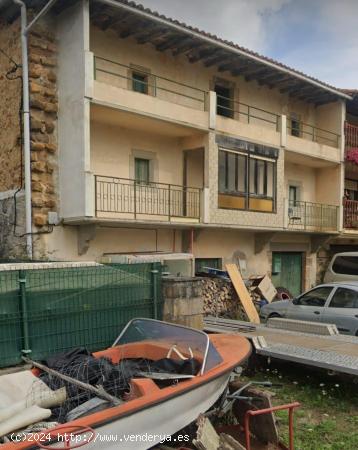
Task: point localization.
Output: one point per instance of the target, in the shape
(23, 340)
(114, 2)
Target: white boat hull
(148, 427)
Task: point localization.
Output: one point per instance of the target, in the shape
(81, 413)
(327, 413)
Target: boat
(159, 402)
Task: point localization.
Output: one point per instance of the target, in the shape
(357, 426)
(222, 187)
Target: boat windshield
(184, 339)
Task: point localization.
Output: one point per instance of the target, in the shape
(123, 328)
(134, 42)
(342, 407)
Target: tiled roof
(183, 25)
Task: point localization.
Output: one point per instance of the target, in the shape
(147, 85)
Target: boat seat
(142, 386)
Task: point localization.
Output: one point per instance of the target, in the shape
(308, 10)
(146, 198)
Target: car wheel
(274, 315)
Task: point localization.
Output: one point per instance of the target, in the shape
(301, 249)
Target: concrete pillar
(283, 130)
(212, 110)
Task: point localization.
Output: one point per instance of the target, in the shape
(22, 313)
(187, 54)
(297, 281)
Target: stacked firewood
(220, 299)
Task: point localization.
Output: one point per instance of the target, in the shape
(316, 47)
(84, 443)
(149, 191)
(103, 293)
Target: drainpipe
(26, 116)
(26, 129)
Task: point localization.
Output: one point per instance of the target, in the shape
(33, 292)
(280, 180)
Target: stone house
(148, 135)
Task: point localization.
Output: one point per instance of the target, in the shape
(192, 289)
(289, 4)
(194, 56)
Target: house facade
(151, 136)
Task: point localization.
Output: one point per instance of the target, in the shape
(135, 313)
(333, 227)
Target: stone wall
(12, 241)
(10, 104)
(44, 107)
(183, 302)
(43, 116)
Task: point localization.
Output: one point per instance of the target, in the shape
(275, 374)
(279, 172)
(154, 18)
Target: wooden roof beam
(188, 44)
(198, 54)
(149, 34)
(257, 74)
(215, 59)
(170, 42)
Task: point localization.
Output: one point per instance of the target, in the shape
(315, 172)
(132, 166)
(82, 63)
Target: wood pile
(220, 299)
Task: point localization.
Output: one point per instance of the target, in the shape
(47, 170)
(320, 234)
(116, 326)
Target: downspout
(26, 128)
(26, 116)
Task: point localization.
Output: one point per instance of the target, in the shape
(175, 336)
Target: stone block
(38, 146)
(35, 88)
(48, 61)
(51, 147)
(37, 103)
(39, 166)
(49, 126)
(40, 219)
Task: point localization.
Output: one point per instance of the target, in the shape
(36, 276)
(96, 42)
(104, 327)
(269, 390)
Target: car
(335, 303)
(343, 267)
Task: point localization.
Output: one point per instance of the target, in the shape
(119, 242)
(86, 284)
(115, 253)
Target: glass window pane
(252, 176)
(344, 298)
(347, 265)
(270, 179)
(231, 170)
(140, 82)
(260, 177)
(316, 297)
(141, 170)
(222, 171)
(241, 173)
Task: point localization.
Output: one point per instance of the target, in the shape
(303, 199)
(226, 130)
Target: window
(295, 125)
(347, 265)
(316, 297)
(224, 99)
(141, 170)
(293, 195)
(344, 298)
(249, 179)
(232, 172)
(261, 178)
(214, 263)
(140, 82)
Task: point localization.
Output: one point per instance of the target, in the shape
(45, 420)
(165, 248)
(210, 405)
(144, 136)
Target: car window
(344, 298)
(316, 297)
(347, 265)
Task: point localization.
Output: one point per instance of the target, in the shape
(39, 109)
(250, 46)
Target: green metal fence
(51, 310)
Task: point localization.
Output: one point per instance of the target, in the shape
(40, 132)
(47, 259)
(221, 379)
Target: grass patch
(328, 416)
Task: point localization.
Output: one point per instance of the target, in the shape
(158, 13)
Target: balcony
(129, 199)
(133, 89)
(351, 142)
(350, 214)
(315, 217)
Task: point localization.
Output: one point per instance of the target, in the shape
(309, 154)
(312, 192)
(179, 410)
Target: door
(342, 310)
(311, 305)
(287, 271)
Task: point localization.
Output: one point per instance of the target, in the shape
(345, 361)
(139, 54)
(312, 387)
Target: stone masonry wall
(12, 240)
(10, 103)
(44, 107)
(43, 116)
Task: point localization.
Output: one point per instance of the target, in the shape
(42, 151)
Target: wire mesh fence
(52, 310)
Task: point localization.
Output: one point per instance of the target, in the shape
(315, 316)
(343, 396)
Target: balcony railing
(133, 198)
(228, 107)
(148, 83)
(350, 214)
(308, 216)
(313, 133)
(351, 142)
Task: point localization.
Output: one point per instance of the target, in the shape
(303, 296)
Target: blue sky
(318, 37)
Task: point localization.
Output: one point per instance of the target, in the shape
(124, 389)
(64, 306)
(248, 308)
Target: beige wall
(106, 44)
(113, 150)
(302, 176)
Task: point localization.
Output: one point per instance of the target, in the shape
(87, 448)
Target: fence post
(155, 273)
(305, 223)
(24, 316)
(169, 202)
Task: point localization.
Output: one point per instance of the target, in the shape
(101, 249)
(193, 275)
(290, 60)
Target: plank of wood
(242, 293)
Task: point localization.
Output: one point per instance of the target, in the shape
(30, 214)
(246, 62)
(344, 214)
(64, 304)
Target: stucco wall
(113, 150)
(10, 104)
(106, 44)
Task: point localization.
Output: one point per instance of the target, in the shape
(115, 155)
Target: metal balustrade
(315, 134)
(121, 75)
(350, 214)
(312, 216)
(134, 198)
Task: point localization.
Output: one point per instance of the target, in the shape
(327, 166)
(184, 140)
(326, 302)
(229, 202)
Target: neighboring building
(148, 135)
